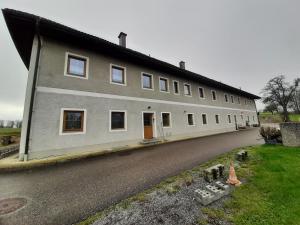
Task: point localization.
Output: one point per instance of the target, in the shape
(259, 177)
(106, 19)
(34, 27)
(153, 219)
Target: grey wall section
(46, 130)
(46, 140)
(27, 98)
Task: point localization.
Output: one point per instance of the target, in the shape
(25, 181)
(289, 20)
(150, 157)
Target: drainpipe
(37, 59)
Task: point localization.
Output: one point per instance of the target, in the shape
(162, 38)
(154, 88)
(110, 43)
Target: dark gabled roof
(22, 28)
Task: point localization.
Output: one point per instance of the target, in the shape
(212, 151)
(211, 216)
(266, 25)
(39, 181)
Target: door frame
(153, 124)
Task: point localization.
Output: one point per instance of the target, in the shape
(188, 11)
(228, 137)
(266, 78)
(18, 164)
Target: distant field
(10, 131)
(267, 117)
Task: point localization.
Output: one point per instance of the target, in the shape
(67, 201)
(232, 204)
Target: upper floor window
(147, 81)
(118, 75)
(239, 101)
(214, 95)
(73, 121)
(217, 119)
(204, 119)
(201, 92)
(187, 90)
(226, 97)
(163, 84)
(118, 120)
(232, 99)
(166, 119)
(176, 87)
(191, 121)
(76, 66)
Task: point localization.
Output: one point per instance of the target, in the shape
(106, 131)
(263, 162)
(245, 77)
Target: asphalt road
(67, 193)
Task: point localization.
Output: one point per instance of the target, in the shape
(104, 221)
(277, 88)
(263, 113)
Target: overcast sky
(243, 43)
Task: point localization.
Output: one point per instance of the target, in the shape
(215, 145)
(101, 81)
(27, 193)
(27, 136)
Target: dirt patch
(10, 205)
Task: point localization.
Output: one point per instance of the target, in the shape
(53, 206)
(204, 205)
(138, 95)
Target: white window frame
(212, 96)
(226, 95)
(174, 87)
(219, 116)
(67, 54)
(110, 72)
(187, 117)
(206, 119)
(61, 123)
(125, 120)
(202, 91)
(190, 89)
(229, 115)
(152, 81)
(170, 117)
(168, 84)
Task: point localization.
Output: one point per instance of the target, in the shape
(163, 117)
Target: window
(187, 90)
(253, 118)
(147, 81)
(73, 121)
(226, 97)
(238, 100)
(166, 119)
(76, 66)
(176, 87)
(163, 84)
(118, 75)
(232, 99)
(118, 121)
(191, 121)
(201, 92)
(245, 101)
(242, 117)
(229, 118)
(217, 119)
(214, 95)
(204, 119)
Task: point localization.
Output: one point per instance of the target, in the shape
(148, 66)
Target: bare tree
(1, 123)
(278, 91)
(10, 124)
(272, 107)
(295, 105)
(18, 123)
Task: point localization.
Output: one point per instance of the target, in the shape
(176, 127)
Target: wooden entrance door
(148, 125)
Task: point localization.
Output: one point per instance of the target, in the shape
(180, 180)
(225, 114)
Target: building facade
(98, 95)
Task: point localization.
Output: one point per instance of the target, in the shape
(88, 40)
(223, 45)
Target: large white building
(85, 93)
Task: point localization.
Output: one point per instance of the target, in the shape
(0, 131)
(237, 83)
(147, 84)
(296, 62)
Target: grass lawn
(10, 131)
(267, 117)
(271, 194)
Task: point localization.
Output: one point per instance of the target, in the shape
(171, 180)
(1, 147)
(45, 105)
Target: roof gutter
(33, 88)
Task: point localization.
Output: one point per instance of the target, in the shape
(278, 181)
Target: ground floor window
(191, 121)
(73, 121)
(204, 119)
(217, 119)
(118, 120)
(166, 119)
(229, 118)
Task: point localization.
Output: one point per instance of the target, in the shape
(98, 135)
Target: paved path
(67, 193)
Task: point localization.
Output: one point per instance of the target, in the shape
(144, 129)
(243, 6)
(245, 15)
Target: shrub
(270, 134)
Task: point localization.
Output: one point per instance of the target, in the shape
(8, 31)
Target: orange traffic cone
(232, 176)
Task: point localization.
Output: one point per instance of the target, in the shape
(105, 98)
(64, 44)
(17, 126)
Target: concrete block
(214, 172)
(204, 197)
(242, 155)
(224, 187)
(216, 191)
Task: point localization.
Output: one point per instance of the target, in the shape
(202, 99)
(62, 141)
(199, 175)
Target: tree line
(10, 123)
(282, 96)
